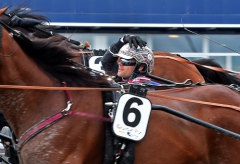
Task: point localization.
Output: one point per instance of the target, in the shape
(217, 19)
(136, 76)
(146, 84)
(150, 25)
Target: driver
(130, 59)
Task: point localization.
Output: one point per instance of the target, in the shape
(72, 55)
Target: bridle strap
(67, 92)
(11, 30)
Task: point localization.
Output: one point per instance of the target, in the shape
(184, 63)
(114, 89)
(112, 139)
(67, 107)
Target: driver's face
(125, 71)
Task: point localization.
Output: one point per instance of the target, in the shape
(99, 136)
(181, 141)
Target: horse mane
(22, 11)
(212, 76)
(53, 53)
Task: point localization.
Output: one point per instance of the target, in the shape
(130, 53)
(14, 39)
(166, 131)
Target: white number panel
(132, 117)
(95, 63)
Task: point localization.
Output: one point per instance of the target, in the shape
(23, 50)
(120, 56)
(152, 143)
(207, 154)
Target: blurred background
(162, 23)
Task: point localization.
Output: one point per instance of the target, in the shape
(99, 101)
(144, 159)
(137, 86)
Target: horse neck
(25, 108)
(175, 70)
(18, 105)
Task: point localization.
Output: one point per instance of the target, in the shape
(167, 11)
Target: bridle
(14, 50)
(12, 33)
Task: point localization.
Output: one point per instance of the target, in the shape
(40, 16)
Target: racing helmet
(141, 55)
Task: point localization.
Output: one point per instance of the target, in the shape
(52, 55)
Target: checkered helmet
(141, 55)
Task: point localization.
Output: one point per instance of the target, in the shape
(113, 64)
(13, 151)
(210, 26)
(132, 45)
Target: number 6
(127, 110)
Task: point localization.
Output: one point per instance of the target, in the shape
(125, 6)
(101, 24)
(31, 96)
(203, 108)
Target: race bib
(95, 63)
(132, 117)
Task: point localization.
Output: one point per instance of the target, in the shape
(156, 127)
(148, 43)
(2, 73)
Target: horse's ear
(3, 10)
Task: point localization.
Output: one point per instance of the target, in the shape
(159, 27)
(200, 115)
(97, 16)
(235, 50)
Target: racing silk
(143, 80)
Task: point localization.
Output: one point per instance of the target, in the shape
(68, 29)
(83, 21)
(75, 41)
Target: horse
(41, 62)
(10, 50)
(198, 71)
(167, 68)
(223, 76)
(167, 63)
(238, 75)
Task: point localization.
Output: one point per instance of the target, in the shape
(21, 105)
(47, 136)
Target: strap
(33, 131)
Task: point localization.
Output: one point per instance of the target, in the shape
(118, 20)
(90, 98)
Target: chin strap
(136, 72)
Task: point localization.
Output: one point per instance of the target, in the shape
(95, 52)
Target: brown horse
(175, 68)
(19, 106)
(168, 65)
(190, 143)
(78, 139)
(213, 72)
(238, 75)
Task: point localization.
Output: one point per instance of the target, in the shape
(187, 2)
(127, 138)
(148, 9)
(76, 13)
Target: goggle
(127, 62)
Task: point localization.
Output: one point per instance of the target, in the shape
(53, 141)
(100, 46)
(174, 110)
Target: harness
(234, 87)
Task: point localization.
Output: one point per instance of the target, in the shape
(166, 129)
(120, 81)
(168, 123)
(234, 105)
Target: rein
(47, 122)
(57, 88)
(115, 89)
